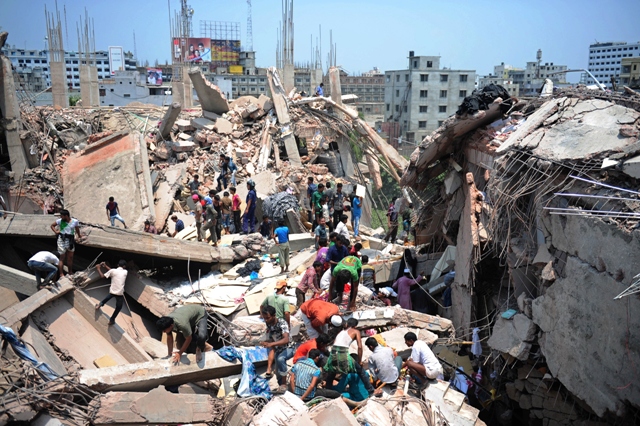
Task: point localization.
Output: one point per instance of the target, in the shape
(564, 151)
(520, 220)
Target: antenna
(135, 49)
(249, 28)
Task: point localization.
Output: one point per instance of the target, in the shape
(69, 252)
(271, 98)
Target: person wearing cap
(249, 216)
(149, 228)
(316, 314)
(347, 271)
(118, 277)
(279, 301)
(198, 210)
(403, 287)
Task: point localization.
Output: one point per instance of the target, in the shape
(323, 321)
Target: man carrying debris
(68, 232)
(281, 237)
(249, 216)
(179, 225)
(383, 363)
(198, 210)
(235, 209)
(43, 261)
(316, 314)
(279, 301)
(186, 321)
(280, 347)
(118, 277)
(347, 271)
(342, 229)
(113, 212)
(310, 281)
(403, 287)
(423, 365)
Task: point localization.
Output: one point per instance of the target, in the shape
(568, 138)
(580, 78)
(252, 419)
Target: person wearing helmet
(198, 210)
(249, 216)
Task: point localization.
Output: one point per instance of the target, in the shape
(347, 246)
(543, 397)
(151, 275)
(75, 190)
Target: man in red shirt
(320, 343)
(316, 314)
(235, 208)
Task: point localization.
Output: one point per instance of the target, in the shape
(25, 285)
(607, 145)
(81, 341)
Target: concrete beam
(147, 293)
(154, 408)
(120, 340)
(18, 281)
(165, 192)
(211, 97)
(11, 119)
(282, 111)
(170, 117)
(20, 311)
(334, 83)
(148, 375)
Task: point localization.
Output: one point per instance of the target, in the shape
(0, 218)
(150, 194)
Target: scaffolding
(220, 30)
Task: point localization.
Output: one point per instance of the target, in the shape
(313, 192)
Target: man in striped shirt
(305, 376)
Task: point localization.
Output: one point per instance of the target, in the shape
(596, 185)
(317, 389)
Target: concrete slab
(8, 298)
(210, 96)
(42, 349)
(223, 126)
(202, 123)
(333, 413)
(280, 410)
(165, 191)
(20, 311)
(16, 280)
(170, 117)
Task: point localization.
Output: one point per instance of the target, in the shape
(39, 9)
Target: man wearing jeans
(43, 261)
(280, 347)
(356, 214)
(113, 212)
(187, 321)
(118, 277)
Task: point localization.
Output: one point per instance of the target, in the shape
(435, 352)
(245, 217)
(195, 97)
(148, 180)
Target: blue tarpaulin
(21, 350)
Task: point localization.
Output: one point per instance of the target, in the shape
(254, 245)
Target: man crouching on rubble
(185, 321)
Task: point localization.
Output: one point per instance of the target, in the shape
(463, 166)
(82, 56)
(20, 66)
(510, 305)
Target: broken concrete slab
(165, 191)
(170, 117)
(210, 96)
(158, 406)
(20, 311)
(7, 298)
(154, 347)
(280, 410)
(183, 146)
(202, 123)
(508, 336)
(43, 350)
(184, 125)
(147, 293)
(18, 281)
(148, 375)
(333, 413)
(223, 126)
(265, 102)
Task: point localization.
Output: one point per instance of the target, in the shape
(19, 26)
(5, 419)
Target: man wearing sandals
(278, 343)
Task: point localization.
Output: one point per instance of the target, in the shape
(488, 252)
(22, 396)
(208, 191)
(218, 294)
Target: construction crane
(249, 28)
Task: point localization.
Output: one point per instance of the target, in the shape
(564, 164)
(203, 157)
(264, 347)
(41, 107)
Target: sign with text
(116, 59)
(194, 50)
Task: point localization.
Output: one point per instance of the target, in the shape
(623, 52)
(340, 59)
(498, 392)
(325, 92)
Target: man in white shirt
(325, 281)
(382, 363)
(342, 229)
(422, 364)
(68, 232)
(43, 261)
(118, 277)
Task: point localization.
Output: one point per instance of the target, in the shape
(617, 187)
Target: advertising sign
(195, 50)
(154, 76)
(225, 52)
(116, 59)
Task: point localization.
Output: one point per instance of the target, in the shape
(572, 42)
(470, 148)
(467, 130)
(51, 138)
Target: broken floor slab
(156, 407)
(20, 311)
(210, 96)
(280, 409)
(513, 336)
(18, 281)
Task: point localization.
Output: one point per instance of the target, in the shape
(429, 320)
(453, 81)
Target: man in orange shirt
(316, 314)
(320, 343)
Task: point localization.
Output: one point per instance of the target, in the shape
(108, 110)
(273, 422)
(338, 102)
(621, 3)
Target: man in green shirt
(186, 321)
(279, 301)
(316, 202)
(348, 270)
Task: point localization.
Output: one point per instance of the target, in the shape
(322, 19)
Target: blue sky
(467, 34)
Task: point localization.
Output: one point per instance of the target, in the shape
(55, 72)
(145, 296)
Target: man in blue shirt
(179, 224)
(356, 213)
(337, 252)
(320, 90)
(305, 376)
(281, 237)
(113, 212)
(311, 188)
(227, 166)
(249, 216)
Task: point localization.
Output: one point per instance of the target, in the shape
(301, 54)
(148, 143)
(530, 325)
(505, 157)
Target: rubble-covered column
(11, 118)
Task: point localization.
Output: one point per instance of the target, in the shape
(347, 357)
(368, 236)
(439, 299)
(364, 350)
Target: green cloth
(316, 198)
(185, 318)
(279, 302)
(350, 263)
(340, 361)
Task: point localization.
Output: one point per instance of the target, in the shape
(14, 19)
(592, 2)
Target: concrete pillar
(334, 82)
(59, 82)
(95, 88)
(11, 117)
(316, 79)
(89, 86)
(170, 117)
(288, 78)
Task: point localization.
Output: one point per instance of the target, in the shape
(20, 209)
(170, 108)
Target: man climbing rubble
(113, 212)
(68, 232)
(347, 271)
(118, 277)
(43, 261)
(186, 321)
(279, 345)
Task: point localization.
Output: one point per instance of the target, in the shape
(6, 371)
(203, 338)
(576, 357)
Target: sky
(469, 35)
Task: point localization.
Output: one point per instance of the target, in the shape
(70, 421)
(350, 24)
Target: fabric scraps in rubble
(476, 346)
(340, 361)
(276, 206)
(481, 100)
(21, 350)
(250, 383)
(249, 267)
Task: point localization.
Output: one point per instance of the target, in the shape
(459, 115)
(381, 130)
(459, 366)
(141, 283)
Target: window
(440, 123)
(397, 77)
(111, 90)
(443, 93)
(388, 79)
(397, 108)
(442, 108)
(406, 77)
(388, 107)
(444, 78)
(415, 64)
(103, 92)
(69, 69)
(424, 77)
(422, 124)
(126, 95)
(262, 89)
(405, 107)
(463, 78)
(423, 108)
(424, 93)
(429, 64)
(397, 93)
(463, 94)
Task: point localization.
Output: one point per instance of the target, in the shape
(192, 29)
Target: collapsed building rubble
(540, 199)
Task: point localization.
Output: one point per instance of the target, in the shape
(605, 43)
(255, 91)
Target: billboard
(154, 76)
(195, 50)
(226, 52)
(116, 59)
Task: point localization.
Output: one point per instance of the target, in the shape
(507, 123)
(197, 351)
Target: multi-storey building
(525, 81)
(630, 72)
(605, 60)
(368, 87)
(421, 97)
(33, 64)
